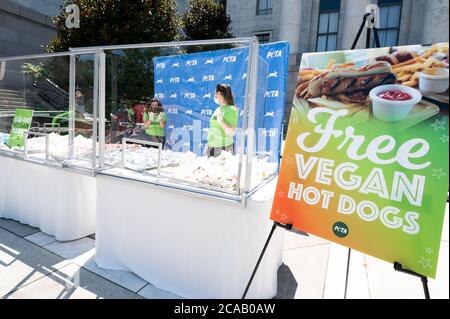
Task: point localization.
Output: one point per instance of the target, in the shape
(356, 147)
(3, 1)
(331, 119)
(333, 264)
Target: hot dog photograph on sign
(365, 162)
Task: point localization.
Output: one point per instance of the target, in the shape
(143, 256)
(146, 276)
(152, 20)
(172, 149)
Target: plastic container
(434, 80)
(389, 110)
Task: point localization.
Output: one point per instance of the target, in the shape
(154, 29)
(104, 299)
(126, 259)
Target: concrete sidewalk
(35, 265)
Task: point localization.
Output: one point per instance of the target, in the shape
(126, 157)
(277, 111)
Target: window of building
(263, 37)
(390, 13)
(328, 25)
(263, 7)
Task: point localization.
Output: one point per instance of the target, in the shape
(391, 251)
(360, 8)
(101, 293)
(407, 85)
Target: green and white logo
(340, 229)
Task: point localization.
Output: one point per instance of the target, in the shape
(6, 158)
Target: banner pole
(346, 275)
(424, 279)
(275, 224)
(368, 39)
(359, 31)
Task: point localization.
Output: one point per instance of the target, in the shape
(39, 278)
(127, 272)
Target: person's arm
(149, 119)
(228, 129)
(162, 119)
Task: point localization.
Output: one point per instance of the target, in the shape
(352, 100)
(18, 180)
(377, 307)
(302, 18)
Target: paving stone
(125, 279)
(297, 239)
(151, 292)
(22, 262)
(71, 249)
(40, 239)
(308, 266)
(17, 228)
(72, 282)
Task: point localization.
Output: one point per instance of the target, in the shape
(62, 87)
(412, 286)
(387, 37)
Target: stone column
(353, 11)
(435, 27)
(291, 11)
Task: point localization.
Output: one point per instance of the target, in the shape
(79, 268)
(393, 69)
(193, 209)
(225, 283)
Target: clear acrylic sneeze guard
(90, 106)
(57, 91)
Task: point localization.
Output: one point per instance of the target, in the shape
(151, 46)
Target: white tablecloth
(59, 202)
(192, 247)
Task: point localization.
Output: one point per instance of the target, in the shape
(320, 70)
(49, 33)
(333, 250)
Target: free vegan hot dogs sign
(366, 166)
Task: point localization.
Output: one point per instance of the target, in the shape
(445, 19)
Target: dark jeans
(215, 151)
(156, 139)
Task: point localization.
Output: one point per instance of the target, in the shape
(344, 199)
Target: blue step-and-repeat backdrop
(185, 85)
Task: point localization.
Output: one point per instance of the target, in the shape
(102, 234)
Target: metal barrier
(25, 143)
(131, 140)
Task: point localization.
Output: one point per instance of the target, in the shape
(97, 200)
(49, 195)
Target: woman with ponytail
(223, 122)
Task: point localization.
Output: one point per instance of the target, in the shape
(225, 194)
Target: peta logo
(205, 129)
(340, 229)
(207, 78)
(228, 77)
(159, 95)
(176, 65)
(269, 153)
(273, 74)
(209, 61)
(270, 114)
(242, 113)
(171, 127)
(189, 95)
(244, 76)
(270, 132)
(172, 111)
(206, 112)
(191, 80)
(207, 96)
(174, 80)
(188, 112)
(271, 93)
(229, 59)
(173, 96)
(191, 62)
(274, 54)
(188, 127)
(160, 65)
(159, 81)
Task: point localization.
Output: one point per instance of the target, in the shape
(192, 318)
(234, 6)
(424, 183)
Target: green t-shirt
(216, 134)
(154, 128)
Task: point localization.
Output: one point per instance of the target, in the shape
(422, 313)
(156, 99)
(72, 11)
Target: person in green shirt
(223, 122)
(155, 121)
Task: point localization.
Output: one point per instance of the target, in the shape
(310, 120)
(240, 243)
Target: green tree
(113, 22)
(206, 19)
(110, 22)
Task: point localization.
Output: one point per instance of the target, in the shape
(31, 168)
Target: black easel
(366, 17)
(397, 266)
(347, 272)
(275, 224)
(424, 279)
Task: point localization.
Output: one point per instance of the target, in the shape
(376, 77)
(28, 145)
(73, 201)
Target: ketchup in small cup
(395, 95)
(393, 102)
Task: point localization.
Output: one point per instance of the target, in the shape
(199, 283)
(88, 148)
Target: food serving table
(194, 247)
(60, 202)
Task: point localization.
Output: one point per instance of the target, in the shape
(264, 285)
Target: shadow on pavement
(287, 285)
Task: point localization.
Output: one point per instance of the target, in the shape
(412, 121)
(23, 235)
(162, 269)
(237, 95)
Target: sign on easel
(366, 160)
(21, 123)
